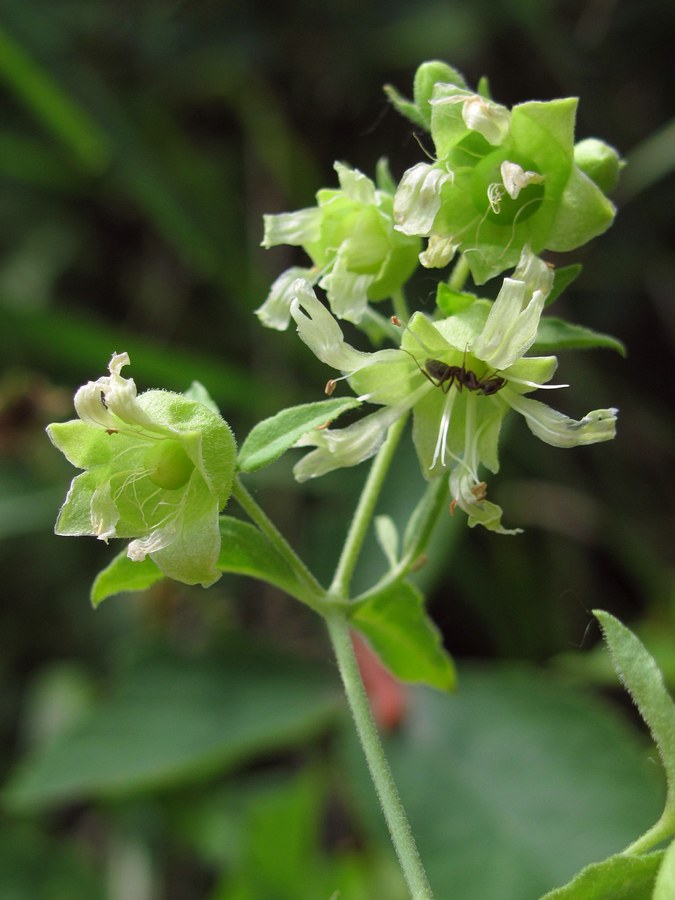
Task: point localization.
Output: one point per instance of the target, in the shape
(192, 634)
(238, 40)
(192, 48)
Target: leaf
(272, 437)
(246, 551)
(513, 783)
(642, 679)
(556, 334)
(562, 279)
(404, 637)
(122, 574)
(617, 878)
(175, 720)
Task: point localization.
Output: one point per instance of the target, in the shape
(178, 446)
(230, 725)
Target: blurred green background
(159, 748)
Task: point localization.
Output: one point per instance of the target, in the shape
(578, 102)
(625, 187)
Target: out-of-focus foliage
(140, 144)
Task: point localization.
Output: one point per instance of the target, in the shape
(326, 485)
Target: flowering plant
(504, 187)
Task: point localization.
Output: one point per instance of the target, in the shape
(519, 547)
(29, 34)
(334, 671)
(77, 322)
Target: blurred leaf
(175, 719)
(617, 878)
(396, 625)
(274, 436)
(513, 783)
(61, 338)
(49, 103)
(33, 866)
(556, 334)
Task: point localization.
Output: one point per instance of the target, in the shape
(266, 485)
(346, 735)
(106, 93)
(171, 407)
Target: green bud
(600, 162)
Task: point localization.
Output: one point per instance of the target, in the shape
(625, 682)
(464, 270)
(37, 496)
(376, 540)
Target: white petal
(322, 334)
(487, 118)
(418, 198)
(440, 251)
(510, 330)
(346, 446)
(560, 430)
(355, 184)
(515, 178)
(347, 291)
(297, 228)
(275, 312)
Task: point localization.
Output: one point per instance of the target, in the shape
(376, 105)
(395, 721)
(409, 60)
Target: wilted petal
(276, 310)
(296, 228)
(322, 334)
(347, 291)
(418, 198)
(487, 118)
(355, 184)
(515, 178)
(560, 430)
(346, 446)
(440, 251)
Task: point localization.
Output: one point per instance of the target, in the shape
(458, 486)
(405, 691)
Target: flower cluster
(158, 468)
(501, 179)
(460, 376)
(356, 252)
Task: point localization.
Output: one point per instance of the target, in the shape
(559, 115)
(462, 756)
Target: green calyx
(168, 465)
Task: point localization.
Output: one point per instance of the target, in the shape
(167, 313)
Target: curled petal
(355, 184)
(322, 334)
(347, 291)
(510, 329)
(275, 312)
(440, 251)
(346, 446)
(418, 198)
(560, 430)
(487, 118)
(515, 178)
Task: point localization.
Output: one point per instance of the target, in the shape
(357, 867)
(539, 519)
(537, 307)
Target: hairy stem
(364, 512)
(394, 813)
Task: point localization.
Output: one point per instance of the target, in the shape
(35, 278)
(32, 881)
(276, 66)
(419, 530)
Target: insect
(442, 375)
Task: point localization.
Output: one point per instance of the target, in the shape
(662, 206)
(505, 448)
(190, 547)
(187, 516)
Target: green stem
(364, 512)
(394, 813)
(421, 525)
(315, 597)
(660, 831)
(400, 305)
(459, 274)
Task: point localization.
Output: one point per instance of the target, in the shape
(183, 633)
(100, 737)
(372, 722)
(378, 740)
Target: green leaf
(642, 679)
(175, 720)
(451, 302)
(562, 279)
(556, 334)
(525, 779)
(272, 437)
(244, 550)
(617, 878)
(665, 880)
(122, 574)
(404, 637)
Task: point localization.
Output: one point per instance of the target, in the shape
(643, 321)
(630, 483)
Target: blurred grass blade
(51, 105)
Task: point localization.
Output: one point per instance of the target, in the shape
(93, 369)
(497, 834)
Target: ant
(444, 376)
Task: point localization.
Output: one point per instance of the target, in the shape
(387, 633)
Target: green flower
(460, 376)
(357, 254)
(502, 180)
(158, 468)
